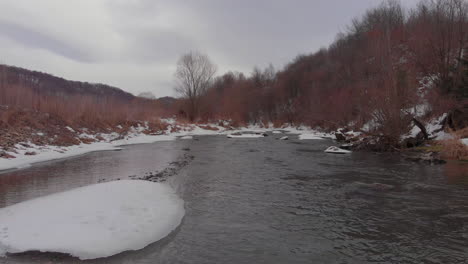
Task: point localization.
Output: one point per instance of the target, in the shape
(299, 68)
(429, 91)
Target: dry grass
(434, 147)
(462, 133)
(208, 127)
(454, 148)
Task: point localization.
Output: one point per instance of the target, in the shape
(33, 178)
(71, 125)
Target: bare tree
(194, 74)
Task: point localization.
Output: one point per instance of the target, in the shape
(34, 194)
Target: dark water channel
(270, 201)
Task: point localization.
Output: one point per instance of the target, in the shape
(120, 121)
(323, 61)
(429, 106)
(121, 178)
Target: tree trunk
(422, 127)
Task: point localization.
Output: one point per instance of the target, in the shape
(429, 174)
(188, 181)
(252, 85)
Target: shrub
(454, 148)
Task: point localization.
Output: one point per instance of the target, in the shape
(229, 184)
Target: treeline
(380, 72)
(386, 63)
(80, 103)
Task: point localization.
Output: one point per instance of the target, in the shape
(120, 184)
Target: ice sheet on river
(309, 136)
(94, 221)
(46, 153)
(245, 136)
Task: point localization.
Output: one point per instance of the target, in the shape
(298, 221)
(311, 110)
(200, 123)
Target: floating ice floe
(186, 137)
(309, 136)
(277, 132)
(284, 138)
(245, 136)
(337, 150)
(94, 221)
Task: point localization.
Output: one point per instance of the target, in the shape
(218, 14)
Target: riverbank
(269, 189)
(81, 141)
(20, 149)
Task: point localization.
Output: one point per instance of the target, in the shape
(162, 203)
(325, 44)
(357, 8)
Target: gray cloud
(33, 39)
(135, 44)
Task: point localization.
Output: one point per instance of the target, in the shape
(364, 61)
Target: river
(271, 201)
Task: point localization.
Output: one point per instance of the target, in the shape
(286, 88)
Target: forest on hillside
(392, 67)
(388, 65)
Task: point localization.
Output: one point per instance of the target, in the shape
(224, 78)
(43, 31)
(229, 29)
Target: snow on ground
(28, 153)
(465, 141)
(435, 125)
(370, 125)
(306, 132)
(419, 110)
(433, 128)
(46, 153)
(26, 156)
(94, 221)
(245, 136)
(309, 136)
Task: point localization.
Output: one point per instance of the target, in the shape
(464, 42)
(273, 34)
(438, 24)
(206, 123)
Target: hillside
(50, 85)
(390, 66)
(43, 109)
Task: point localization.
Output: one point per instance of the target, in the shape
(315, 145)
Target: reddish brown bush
(454, 148)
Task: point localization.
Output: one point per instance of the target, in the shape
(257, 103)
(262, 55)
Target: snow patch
(111, 140)
(309, 136)
(370, 125)
(337, 150)
(465, 141)
(91, 222)
(433, 128)
(245, 136)
(47, 153)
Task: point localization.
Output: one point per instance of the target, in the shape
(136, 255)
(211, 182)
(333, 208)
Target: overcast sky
(135, 44)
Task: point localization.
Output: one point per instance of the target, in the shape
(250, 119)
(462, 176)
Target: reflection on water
(56, 176)
(270, 201)
(456, 172)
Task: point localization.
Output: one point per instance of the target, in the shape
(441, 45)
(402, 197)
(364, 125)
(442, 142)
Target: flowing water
(271, 201)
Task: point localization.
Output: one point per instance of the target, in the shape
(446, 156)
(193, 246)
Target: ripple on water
(271, 201)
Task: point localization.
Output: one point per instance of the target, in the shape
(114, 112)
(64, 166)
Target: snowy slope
(94, 221)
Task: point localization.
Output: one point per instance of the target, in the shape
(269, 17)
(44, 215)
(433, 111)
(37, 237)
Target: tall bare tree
(194, 74)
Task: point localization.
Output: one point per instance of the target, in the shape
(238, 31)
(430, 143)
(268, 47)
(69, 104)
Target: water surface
(270, 201)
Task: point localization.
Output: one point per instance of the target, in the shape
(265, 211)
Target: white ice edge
(337, 150)
(91, 222)
(309, 136)
(245, 136)
(54, 152)
(49, 153)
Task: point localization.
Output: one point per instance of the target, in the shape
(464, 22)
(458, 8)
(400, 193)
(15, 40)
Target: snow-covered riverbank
(26, 153)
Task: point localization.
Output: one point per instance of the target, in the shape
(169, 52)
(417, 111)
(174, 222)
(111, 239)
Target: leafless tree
(194, 74)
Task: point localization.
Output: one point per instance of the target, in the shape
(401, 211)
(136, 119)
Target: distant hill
(29, 93)
(166, 101)
(50, 85)
(147, 95)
